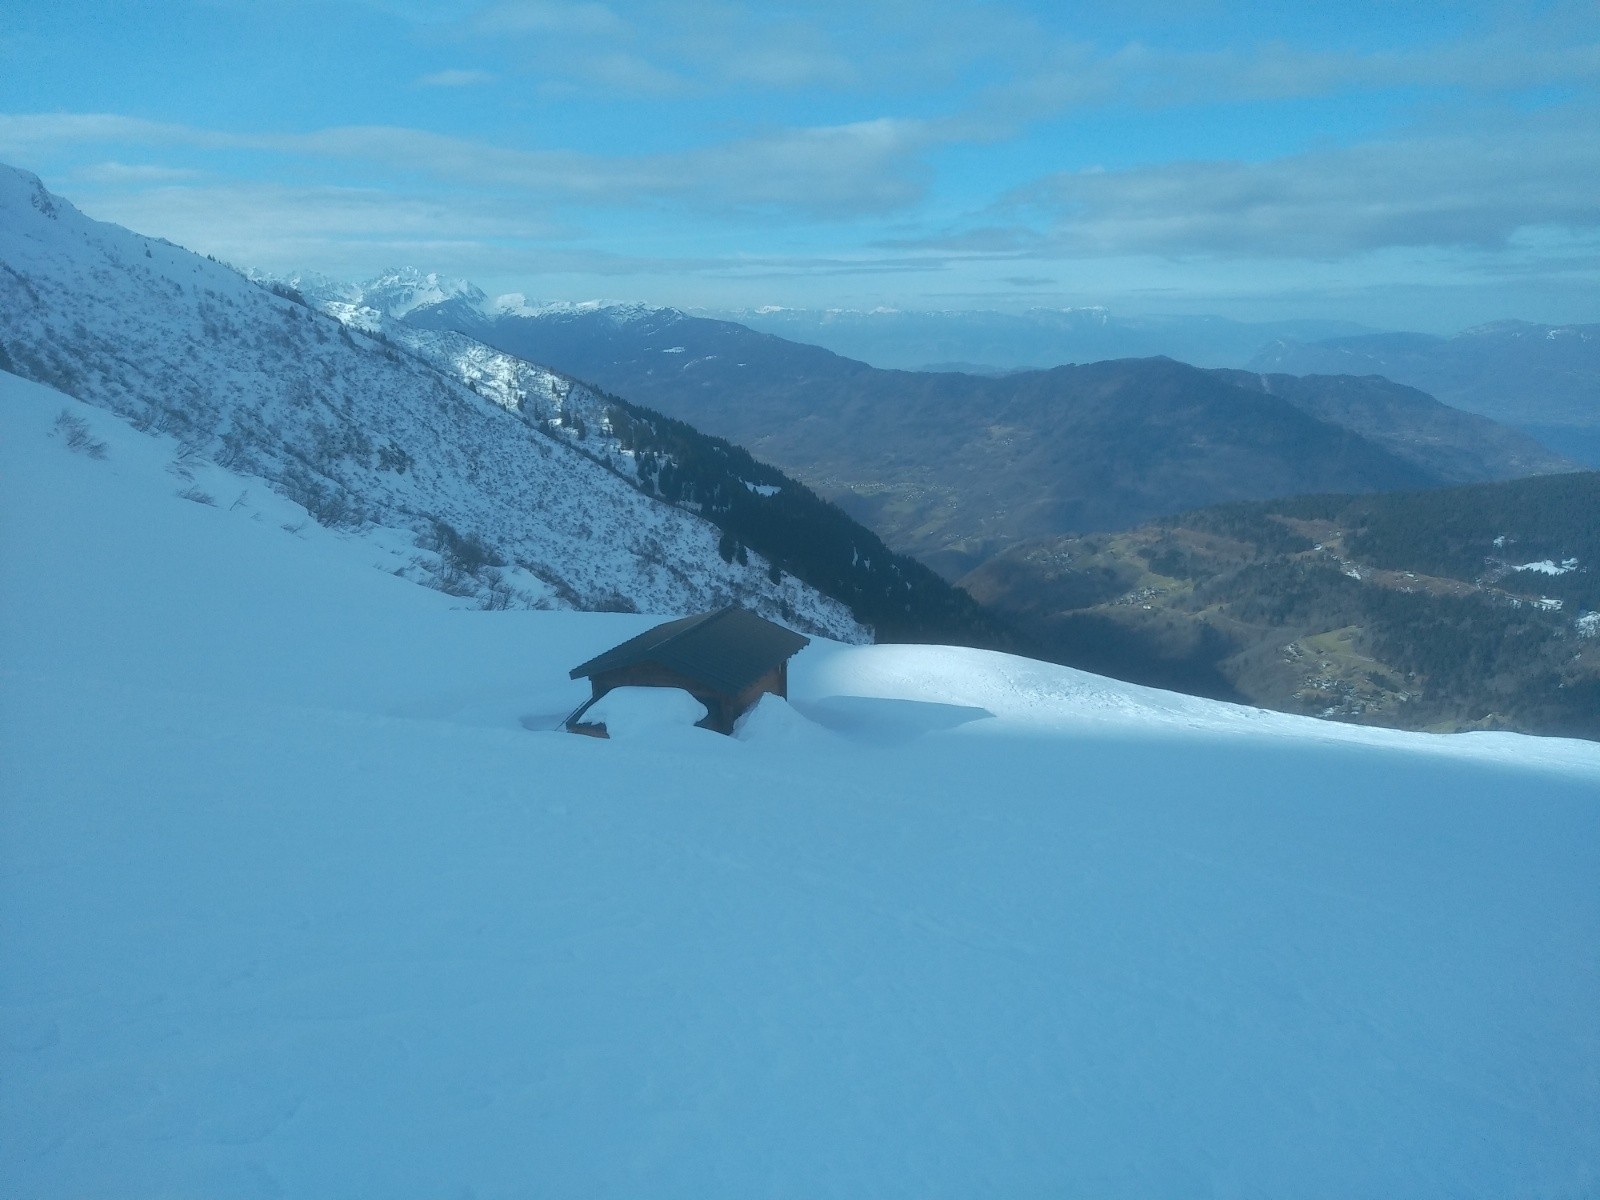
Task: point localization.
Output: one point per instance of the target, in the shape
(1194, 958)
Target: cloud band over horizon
(747, 158)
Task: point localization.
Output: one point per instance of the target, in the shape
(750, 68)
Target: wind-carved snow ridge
(487, 464)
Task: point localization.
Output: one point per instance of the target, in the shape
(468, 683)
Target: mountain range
(953, 468)
(1544, 379)
(994, 342)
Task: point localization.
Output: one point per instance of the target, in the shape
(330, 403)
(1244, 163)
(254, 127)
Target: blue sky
(1406, 165)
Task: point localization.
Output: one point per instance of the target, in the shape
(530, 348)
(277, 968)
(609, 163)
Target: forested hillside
(759, 507)
(1471, 607)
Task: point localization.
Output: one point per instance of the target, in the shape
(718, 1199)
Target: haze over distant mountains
(953, 467)
(1544, 379)
(989, 341)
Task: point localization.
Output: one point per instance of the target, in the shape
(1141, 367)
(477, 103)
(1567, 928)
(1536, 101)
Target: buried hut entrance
(727, 660)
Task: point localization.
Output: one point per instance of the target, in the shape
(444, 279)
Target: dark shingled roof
(729, 649)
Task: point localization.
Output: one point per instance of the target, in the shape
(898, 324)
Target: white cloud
(1274, 70)
(547, 17)
(277, 226)
(866, 166)
(775, 48)
(830, 171)
(1470, 189)
(132, 173)
(616, 71)
(1053, 75)
(788, 66)
(296, 211)
(24, 135)
(672, 47)
(455, 78)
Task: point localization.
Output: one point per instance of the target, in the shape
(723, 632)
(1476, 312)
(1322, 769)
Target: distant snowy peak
(399, 292)
(357, 316)
(1529, 329)
(429, 299)
(515, 304)
(539, 393)
(393, 294)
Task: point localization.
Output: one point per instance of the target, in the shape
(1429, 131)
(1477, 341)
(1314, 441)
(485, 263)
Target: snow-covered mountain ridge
(362, 432)
(759, 509)
(400, 291)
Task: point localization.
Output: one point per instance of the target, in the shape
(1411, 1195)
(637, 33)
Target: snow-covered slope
(402, 291)
(362, 433)
(564, 407)
(296, 901)
(379, 307)
(764, 515)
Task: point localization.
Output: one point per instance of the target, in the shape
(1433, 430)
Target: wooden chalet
(727, 660)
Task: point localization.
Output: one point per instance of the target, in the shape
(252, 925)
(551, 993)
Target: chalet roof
(729, 649)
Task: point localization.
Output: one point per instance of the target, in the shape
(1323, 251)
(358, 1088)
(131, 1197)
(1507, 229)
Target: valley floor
(301, 897)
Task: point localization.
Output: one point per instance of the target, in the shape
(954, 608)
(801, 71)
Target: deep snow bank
(292, 903)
